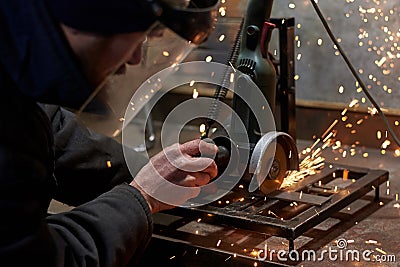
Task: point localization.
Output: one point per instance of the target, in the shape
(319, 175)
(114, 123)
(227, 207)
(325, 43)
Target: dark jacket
(46, 154)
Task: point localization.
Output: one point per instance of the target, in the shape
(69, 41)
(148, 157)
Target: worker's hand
(187, 165)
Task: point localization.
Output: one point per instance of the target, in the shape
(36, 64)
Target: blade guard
(264, 156)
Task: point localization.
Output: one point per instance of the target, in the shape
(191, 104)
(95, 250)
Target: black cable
(354, 72)
(222, 90)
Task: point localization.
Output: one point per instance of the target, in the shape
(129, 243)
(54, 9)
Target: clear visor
(104, 111)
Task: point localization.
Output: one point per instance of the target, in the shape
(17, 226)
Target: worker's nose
(136, 55)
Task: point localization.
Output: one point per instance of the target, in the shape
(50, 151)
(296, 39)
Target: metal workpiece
(291, 212)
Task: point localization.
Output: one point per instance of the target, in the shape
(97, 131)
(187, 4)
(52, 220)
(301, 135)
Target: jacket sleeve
(86, 163)
(112, 230)
(107, 231)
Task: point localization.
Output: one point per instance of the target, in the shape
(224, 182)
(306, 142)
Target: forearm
(87, 164)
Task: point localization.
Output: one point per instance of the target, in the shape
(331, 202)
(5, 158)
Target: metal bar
(376, 199)
(343, 198)
(286, 85)
(175, 252)
(300, 197)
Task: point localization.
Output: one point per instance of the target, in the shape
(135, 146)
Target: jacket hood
(37, 57)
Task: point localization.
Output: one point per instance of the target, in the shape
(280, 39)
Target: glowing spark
(379, 135)
(372, 110)
(232, 77)
(218, 243)
(202, 128)
(254, 253)
(353, 103)
(326, 139)
(380, 62)
(345, 174)
(108, 164)
(195, 93)
(271, 212)
(385, 144)
(315, 143)
(381, 251)
(209, 58)
(222, 11)
(116, 132)
(330, 128)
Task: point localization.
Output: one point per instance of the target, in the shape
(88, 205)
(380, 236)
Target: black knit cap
(106, 16)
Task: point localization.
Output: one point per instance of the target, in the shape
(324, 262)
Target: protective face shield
(181, 27)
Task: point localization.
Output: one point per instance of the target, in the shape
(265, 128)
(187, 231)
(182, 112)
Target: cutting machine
(272, 153)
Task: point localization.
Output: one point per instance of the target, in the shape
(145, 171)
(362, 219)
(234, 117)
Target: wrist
(153, 205)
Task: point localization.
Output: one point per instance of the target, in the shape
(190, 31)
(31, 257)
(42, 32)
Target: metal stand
(316, 198)
(286, 93)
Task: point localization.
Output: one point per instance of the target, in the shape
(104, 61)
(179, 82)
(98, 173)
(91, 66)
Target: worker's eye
(156, 32)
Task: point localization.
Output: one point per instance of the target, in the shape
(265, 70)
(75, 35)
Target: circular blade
(277, 171)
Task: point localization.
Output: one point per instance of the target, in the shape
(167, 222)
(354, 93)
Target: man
(57, 52)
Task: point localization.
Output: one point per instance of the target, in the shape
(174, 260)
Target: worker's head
(107, 34)
(103, 55)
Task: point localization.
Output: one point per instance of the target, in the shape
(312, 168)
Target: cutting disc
(277, 171)
(274, 154)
